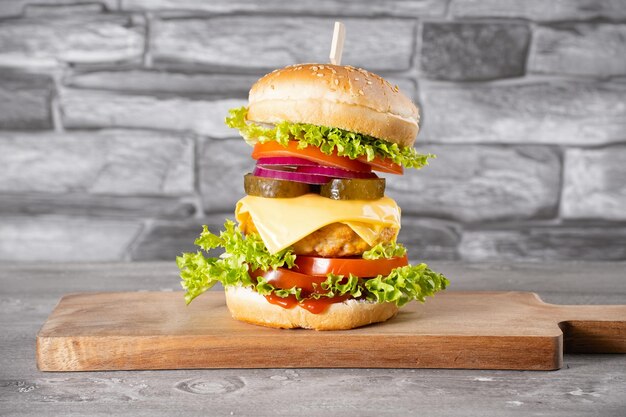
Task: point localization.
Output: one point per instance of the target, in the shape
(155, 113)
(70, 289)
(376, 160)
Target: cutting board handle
(592, 328)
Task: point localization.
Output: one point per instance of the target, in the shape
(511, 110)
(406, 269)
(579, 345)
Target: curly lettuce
(241, 254)
(327, 139)
(386, 250)
(245, 253)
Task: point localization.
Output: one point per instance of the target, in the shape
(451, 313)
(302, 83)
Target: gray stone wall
(112, 143)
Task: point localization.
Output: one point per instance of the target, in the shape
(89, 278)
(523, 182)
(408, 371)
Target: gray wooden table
(587, 384)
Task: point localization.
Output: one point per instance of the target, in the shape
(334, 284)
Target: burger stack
(314, 245)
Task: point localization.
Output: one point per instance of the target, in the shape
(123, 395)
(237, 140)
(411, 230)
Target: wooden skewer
(336, 49)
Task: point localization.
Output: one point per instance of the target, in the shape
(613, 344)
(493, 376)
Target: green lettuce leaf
(385, 250)
(404, 284)
(243, 253)
(327, 139)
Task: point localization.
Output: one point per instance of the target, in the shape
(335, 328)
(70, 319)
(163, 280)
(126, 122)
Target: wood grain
(586, 385)
(466, 330)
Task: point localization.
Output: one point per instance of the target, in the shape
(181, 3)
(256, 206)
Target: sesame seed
(396, 88)
(361, 92)
(356, 79)
(314, 68)
(336, 82)
(369, 82)
(320, 75)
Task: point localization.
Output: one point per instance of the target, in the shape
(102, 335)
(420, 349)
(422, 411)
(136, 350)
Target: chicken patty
(333, 241)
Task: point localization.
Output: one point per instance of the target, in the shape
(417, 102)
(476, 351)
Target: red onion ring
(286, 160)
(278, 174)
(334, 172)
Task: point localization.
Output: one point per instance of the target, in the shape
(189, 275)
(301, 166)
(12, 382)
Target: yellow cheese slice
(281, 222)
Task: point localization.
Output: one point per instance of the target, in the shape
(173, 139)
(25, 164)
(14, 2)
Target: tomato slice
(313, 271)
(382, 165)
(311, 153)
(286, 278)
(362, 268)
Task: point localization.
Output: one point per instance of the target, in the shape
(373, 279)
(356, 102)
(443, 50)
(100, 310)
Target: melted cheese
(281, 222)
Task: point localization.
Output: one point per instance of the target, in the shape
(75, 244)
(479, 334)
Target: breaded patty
(333, 241)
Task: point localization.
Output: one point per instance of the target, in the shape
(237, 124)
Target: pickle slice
(273, 188)
(354, 189)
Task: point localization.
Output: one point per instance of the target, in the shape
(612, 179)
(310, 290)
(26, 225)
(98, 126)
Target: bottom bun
(248, 305)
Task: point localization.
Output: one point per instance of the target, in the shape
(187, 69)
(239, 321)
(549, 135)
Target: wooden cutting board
(476, 330)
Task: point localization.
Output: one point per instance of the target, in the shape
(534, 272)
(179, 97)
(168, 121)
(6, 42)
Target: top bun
(339, 96)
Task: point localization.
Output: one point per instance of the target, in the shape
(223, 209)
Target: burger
(314, 245)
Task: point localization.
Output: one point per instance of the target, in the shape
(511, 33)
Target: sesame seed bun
(345, 97)
(249, 306)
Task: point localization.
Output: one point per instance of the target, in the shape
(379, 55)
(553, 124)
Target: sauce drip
(312, 305)
(288, 302)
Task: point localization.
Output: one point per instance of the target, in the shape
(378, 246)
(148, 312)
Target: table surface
(587, 384)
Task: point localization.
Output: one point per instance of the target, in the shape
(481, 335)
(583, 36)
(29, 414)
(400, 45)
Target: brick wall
(112, 145)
